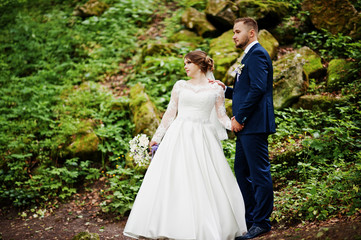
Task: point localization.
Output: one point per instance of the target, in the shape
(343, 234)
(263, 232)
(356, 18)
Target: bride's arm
(168, 116)
(221, 110)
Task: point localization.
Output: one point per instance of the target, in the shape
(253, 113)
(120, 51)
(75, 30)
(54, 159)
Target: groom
(253, 120)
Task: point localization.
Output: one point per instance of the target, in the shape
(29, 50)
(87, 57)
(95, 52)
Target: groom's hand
(220, 83)
(236, 126)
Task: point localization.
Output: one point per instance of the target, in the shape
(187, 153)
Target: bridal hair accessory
(139, 150)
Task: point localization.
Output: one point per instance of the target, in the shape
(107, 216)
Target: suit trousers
(252, 170)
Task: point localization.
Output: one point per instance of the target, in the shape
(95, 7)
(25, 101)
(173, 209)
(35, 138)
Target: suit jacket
(252, 93)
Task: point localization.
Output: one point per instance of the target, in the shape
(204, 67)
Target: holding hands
(236, 126)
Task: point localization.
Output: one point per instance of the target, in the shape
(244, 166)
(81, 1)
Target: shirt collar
(249, 46)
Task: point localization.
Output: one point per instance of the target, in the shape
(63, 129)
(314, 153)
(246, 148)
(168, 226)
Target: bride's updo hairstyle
(201, 59)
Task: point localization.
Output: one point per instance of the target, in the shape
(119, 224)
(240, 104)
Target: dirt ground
(83, 214)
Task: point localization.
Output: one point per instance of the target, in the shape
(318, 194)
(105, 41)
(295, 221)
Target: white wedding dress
(189, 190)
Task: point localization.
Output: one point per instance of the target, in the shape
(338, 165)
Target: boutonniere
(239, 68)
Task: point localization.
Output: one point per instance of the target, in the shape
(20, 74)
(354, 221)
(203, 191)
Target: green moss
(186, 36)
(260, 9)
(268, 42)
(195, 20)
(339, 72)
(86, 236)
(145, 115)
(318, 102)
(313, 62)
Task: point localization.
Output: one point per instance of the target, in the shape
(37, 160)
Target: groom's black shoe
(253, 232)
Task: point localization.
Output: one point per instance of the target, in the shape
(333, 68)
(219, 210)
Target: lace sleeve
(221, 110)
(169, 115)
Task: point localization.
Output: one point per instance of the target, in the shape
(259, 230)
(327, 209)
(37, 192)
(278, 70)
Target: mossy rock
(268, 13)
(318, 102)
(270, 43)
(224, 53)
(159, 49)
(145, 114)
(86, 236)
(186, 36)
(289, 83)
(311, 64)
(197, 21)
(312, 67)
(221, 13)
(339, 73)
(84, 143)
(91, 8)
(335, 16)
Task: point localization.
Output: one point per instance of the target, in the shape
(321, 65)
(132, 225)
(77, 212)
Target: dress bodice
(192, 102)
(196, 102)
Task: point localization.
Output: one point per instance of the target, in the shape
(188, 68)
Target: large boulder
(267, 41)
(145, 115)
(197, 21)
(224, 54)
(186, 36)
(291, 75)
(339, 72)
(268, 13)
(312, 67)
(84, 141)
(90, 8)
(289, 81)
(221, 13)
(335, 16)
(318, 102)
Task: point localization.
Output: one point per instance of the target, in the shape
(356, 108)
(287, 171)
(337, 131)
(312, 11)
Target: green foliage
(124, 184)
(46, 184)
(159, 74)
(197, 4)
(317, 176)
(330, 46)
(49, 62)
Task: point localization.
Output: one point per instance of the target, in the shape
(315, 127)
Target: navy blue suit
(252, 105)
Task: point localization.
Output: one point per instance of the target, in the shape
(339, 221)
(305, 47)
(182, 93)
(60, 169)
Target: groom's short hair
(250, 22)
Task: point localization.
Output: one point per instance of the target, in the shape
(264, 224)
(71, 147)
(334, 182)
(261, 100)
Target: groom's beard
(243, 44)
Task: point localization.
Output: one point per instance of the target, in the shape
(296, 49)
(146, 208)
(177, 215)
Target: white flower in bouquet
(139, 149)
(143, 140)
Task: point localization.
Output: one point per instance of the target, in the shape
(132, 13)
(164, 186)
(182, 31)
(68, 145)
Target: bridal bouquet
(139, 149)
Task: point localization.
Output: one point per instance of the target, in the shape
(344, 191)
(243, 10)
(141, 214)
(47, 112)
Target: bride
(189, 190)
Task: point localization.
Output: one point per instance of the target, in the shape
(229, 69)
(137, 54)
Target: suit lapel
(249, 52)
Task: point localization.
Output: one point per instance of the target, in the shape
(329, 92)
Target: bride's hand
(152, 143)
(220, 83)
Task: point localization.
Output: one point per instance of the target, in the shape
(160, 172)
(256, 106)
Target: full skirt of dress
(189, 190)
